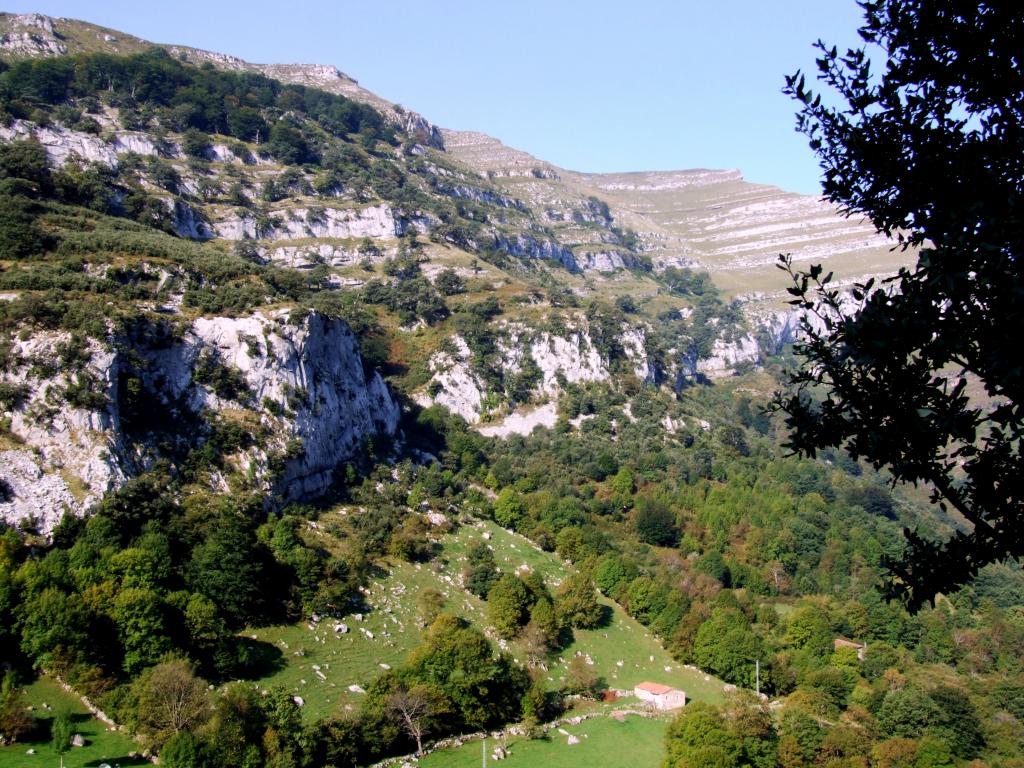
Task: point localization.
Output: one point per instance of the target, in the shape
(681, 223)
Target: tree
(15, 720)
(932, 153)
(456, 659)
(139, 615)
(576, 602)
(227, 568)
(181, 751)
(171, 699)
(429, 603)
(482, 572)
(508, 605)
(580, 679)
(508, 508)
(62, 730)
(449, 282)
(699, 737)
(195, 143)
(415, 706)
(544, 619)
(656, 523)
(908, 712)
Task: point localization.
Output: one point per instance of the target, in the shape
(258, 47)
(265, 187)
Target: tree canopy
(921, 374)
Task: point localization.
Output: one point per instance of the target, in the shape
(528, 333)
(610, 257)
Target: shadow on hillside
(261, 659)
(118, 761)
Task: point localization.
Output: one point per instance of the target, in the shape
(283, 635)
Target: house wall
(645, 696)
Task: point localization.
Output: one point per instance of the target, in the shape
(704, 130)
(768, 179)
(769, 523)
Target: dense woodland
(728, 549)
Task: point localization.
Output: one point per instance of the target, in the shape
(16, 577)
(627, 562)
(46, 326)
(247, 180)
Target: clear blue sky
(590, 86)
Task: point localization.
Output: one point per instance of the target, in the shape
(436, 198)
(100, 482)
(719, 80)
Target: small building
(841, 642)
(660, 696)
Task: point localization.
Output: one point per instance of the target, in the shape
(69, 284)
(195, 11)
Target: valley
(330, 435)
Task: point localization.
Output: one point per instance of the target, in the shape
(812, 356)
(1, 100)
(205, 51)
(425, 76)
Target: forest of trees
(734, 553)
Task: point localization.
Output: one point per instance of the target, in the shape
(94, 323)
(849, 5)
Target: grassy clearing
(603, 742)
(319, 664)
(641, 655)
(101, 745)
(511, 551)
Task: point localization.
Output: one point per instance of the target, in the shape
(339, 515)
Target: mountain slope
(509, 278)
(237, 316)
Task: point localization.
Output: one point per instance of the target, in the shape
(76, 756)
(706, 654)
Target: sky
(593, 86)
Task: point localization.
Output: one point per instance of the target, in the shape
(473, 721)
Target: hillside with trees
(295, 399)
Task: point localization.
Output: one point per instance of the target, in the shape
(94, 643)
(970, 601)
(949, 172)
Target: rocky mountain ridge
(511, 280)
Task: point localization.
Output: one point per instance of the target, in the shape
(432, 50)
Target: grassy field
(319, 664)
(101, 745)
(603, 743)
(641, 655)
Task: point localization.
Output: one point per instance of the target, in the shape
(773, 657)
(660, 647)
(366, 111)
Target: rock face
(314, 370)
(736, 229)
(375, 222)
(604, 261)
(527, 247)
(572, 358)
(62, 144)
(725, 357)
(31, 34)
(559, 359)
(307, 256)
(68, 427)
(83, 435)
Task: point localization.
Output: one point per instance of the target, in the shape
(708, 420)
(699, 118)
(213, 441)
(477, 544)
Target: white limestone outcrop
(603, 261)
(560, 359)
(304, 380)
(315, 367)
(373, 221)
(528, 247)
(62, 144)
(31, 34)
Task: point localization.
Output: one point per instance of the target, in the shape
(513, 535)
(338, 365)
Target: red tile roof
(656, 688)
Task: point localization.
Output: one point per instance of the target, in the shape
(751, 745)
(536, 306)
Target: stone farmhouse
(662, 697)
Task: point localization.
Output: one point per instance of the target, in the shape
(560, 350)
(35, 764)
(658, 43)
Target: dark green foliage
(229, 568)
(449, 282)
(227, 383)
(15, 720)
(25, 160)
(182, 750)
(413, 298)
(195, 143)
(141, 500)
(576, 602)
(700, 737)
(139, 615)
(288, 145)
(655, 523)
(948, 100)
(201, 98)
(62, 729)
(19, 234)
(482, 573)
(508, 605)
(908, 712)
(686, 282)
(12, 395)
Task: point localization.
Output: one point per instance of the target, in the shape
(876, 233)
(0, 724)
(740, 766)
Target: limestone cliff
(87, 418)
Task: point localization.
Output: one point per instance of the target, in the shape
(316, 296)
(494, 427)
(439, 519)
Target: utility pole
(484, 753)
